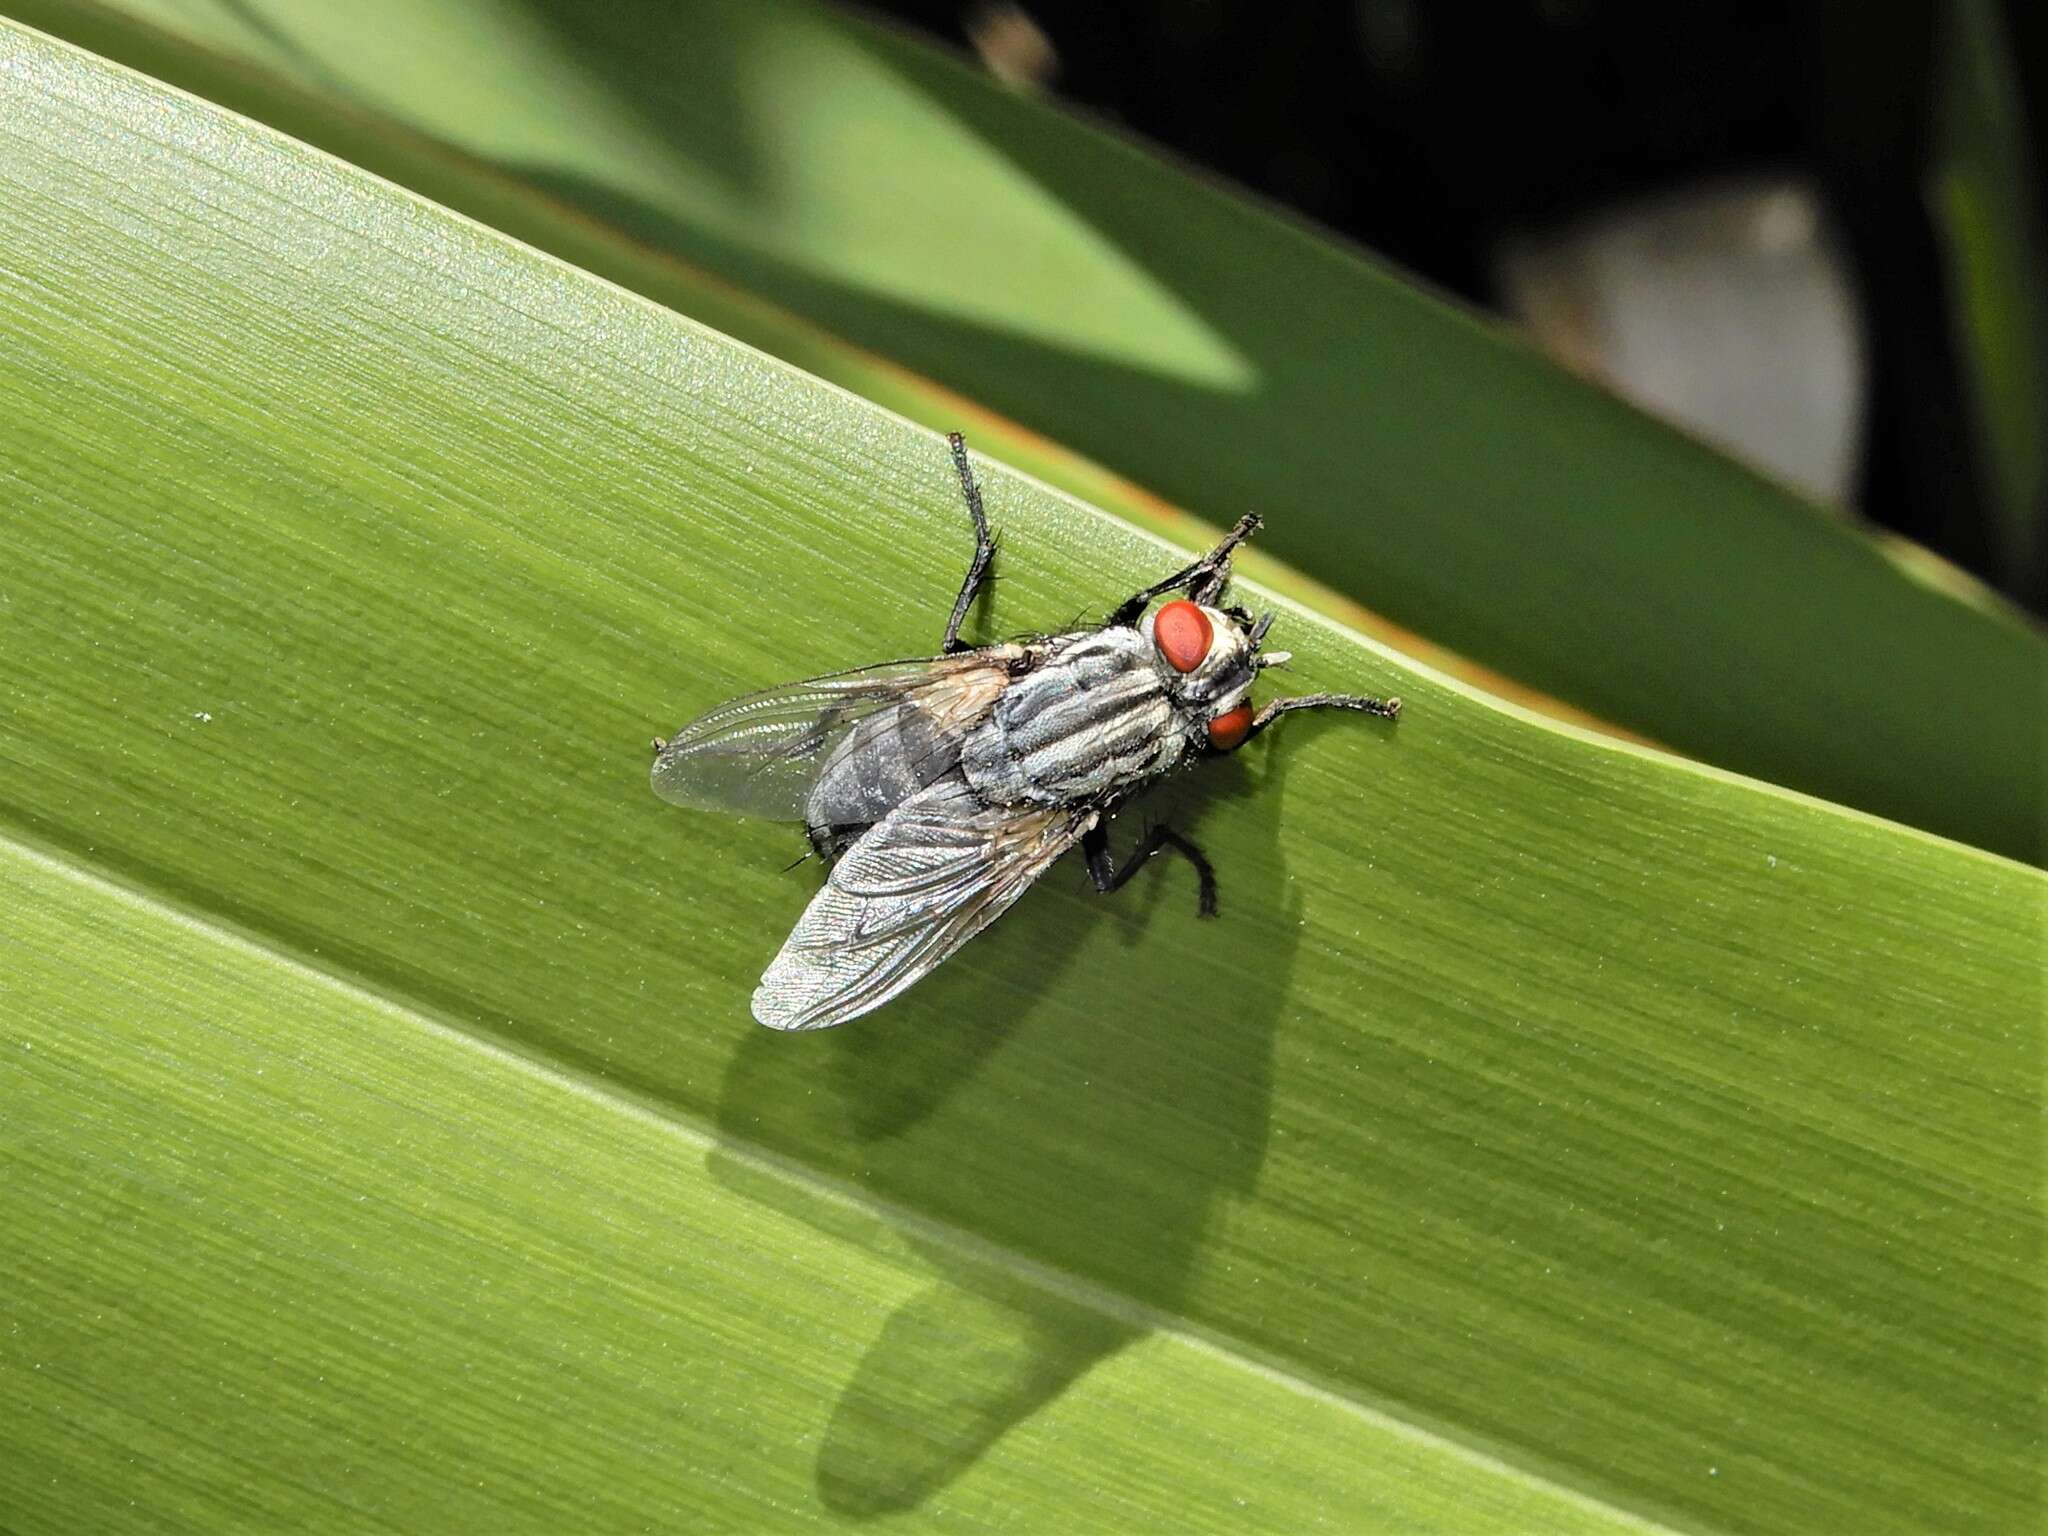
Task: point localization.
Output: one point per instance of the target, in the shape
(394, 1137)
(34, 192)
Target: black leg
(1108, 875)
(1365, 703)
(984, 546)
(1204, 580)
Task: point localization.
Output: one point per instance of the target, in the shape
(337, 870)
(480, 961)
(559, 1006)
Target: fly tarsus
(984, 546)
(1109, 875)
(1204, 581)
(1364, 703)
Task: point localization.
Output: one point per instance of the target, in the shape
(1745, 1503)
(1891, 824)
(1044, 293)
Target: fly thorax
(1092, 717)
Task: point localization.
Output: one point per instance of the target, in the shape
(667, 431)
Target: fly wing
(923, 881)
(762, 755)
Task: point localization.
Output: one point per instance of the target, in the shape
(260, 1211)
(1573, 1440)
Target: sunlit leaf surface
(1407, 454)
(1549, 1135)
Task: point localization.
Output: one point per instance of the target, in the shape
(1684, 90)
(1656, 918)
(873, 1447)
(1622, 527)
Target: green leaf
(1984, 198)
(1408, 455)
(286, 1255)
(1550, 1134)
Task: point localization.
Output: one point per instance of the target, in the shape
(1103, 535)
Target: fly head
(1209, 657)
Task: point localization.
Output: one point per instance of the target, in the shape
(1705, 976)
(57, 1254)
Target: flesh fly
(939, 790)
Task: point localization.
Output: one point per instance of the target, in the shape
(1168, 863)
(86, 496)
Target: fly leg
(1364, 703)
(984, 546)
(1109, 875)
(1204, 580)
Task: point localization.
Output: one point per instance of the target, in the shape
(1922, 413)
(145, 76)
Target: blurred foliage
(1985, 197)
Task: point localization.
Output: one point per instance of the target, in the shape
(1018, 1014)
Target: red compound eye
(1230, 728)
(1181, 631)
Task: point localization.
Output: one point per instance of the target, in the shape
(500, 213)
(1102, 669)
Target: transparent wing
(923, 881)
(762, 754)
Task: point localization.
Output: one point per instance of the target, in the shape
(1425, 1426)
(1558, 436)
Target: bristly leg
(1364, 703)
(1205, 580)
(1109, 876)
(984, 546)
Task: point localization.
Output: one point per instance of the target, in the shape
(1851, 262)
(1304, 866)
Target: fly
(939, 790)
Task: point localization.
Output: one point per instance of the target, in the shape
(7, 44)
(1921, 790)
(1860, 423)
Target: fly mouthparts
(1273, 659)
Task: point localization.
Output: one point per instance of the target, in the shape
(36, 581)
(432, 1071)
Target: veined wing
(923, 881)
(761, 755)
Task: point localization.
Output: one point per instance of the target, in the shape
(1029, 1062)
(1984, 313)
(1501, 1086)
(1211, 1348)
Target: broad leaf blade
(1409, 455)
(548, 1309)
(1672, 1137)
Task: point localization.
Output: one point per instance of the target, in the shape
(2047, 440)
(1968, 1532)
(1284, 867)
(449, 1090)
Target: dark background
(1429, 132)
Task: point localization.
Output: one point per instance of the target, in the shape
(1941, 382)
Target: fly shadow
(1078, 1089)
